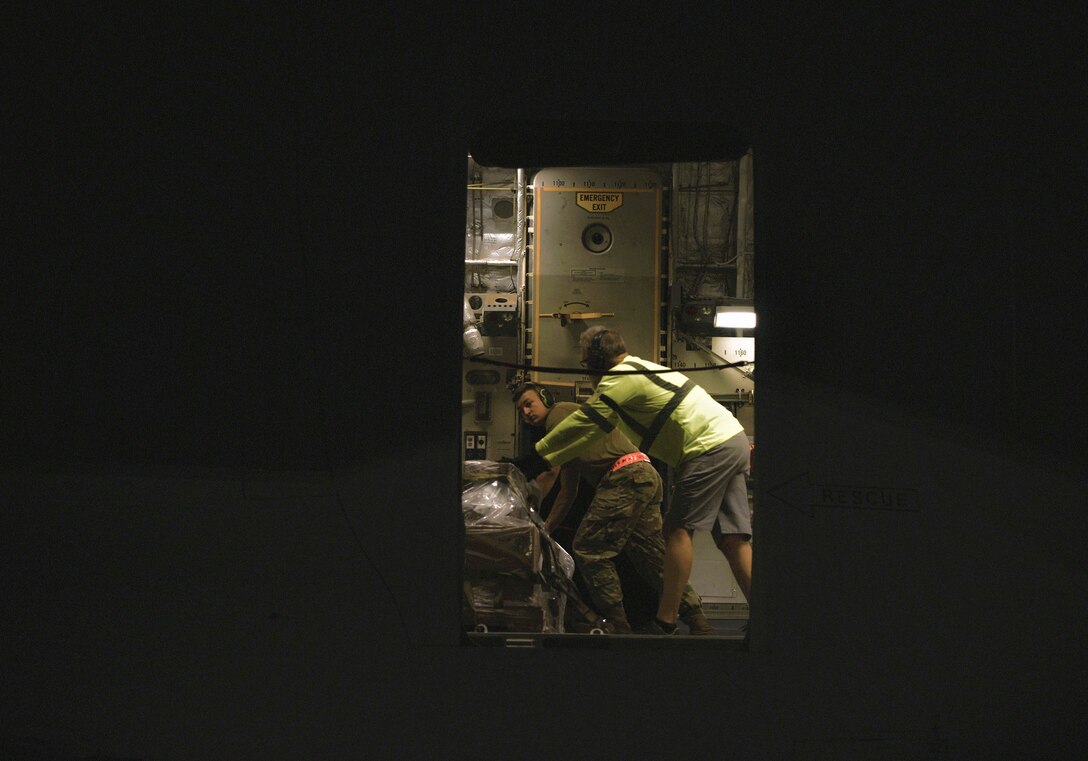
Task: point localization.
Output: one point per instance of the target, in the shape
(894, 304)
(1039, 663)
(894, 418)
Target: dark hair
(601, 345)
(543, 393)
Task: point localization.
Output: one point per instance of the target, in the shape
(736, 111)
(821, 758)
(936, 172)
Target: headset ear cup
(595, 360)
(545, 396)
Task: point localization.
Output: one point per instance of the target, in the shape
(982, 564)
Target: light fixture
(735, 317)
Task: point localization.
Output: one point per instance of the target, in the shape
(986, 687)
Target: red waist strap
(627, 459)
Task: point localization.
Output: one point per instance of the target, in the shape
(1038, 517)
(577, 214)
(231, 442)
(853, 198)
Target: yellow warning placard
(598, 202)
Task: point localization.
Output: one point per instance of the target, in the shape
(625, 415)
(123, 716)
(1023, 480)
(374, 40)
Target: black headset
(545, 396)
(595, 358)
(542, 393)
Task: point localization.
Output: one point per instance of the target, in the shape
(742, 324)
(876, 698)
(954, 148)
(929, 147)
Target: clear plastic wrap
(560, 559)
(495, 494)
(516, 574)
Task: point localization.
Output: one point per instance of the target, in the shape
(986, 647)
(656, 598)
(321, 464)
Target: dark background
(232, 243)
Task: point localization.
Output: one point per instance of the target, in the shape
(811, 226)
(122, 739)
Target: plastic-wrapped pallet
(514, 572)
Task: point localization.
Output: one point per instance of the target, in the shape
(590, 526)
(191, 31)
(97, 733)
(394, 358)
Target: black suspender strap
(597, 417)
(679, 393)
(635, 426)
(665, 414)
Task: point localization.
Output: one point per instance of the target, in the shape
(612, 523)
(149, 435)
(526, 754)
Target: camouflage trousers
(624, 516)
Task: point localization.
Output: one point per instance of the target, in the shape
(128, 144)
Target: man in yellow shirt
(670, 417)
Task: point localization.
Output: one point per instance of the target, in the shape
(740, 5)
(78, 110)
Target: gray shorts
(711, 491)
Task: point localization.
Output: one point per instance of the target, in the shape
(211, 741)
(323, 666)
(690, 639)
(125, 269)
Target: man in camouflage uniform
(624, 515)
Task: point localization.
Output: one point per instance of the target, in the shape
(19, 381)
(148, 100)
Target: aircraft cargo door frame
(655, 250)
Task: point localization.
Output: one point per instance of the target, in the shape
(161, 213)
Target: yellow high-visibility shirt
(666, 415)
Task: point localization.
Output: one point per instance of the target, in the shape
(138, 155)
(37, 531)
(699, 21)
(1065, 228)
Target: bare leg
(677, 571)
(738, 551)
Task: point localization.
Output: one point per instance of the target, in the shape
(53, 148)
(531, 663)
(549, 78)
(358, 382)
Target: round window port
(597, 238)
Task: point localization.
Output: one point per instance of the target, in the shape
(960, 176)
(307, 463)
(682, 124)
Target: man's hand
(532, 464)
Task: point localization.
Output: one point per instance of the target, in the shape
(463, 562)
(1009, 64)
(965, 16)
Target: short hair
(601, 343)
(521, 388)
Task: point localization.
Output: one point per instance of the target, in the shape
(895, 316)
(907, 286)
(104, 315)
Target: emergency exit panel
(597, 245)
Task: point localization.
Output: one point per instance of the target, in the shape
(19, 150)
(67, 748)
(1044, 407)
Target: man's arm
(545, 481)
(569, 478)
(576, 432)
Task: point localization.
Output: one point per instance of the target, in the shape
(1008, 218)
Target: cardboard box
(503, 549)
(507, 603)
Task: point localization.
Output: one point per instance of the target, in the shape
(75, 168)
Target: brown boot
(697, 622)
(616, 621)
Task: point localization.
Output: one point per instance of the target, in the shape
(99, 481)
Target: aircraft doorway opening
(661, 255)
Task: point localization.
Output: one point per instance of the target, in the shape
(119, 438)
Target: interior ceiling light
(735, 317)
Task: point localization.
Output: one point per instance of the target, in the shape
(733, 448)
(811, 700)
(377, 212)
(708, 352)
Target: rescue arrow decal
(803, 495)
